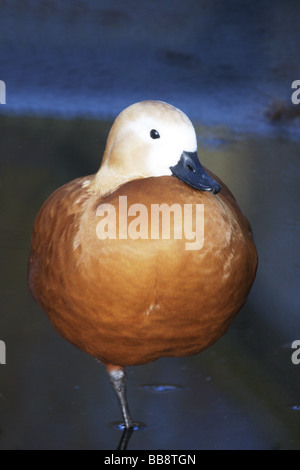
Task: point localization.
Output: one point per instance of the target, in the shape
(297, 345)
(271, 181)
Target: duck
(118, 284)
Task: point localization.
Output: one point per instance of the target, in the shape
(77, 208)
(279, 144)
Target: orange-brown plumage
(98, 293)
(129, 302)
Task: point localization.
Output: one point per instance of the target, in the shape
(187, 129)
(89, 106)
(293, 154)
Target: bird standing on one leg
(129, 300)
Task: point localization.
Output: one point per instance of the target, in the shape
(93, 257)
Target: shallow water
(224, 64)
(242, 393)
(218, 61)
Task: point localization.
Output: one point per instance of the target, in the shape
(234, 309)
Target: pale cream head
(133, 151)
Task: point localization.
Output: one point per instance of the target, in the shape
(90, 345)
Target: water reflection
(241, 393)
(126, 435)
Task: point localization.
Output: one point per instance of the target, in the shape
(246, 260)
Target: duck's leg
(117, 379)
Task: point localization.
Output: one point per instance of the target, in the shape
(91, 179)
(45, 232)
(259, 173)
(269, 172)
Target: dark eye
(154, 134)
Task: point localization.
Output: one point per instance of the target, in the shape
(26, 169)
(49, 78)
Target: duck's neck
(105, 181)
(108, 179)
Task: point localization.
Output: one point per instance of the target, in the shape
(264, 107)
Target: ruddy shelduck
(129, 300)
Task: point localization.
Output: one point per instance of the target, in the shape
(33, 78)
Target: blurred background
(69, 68)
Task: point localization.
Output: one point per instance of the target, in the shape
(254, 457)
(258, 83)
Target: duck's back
(130, 301)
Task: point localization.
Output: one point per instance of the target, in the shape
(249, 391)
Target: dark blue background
(70, 67)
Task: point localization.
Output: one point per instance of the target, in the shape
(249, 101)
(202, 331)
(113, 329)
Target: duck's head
(151, 138)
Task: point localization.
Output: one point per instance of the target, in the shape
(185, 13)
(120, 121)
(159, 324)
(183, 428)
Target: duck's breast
(129, 300)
